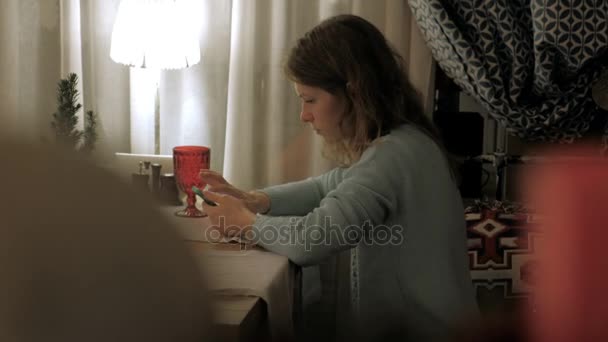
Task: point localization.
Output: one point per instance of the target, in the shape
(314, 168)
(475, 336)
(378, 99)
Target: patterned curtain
(530, 63)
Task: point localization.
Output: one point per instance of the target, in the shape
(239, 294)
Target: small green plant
(65, 119)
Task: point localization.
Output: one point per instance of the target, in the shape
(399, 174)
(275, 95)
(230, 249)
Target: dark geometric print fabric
(530, 63)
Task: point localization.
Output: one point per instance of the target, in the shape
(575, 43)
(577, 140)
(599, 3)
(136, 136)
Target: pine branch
(89, 134)
(65, 119)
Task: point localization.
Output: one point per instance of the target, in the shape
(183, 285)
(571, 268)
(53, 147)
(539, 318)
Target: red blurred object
(571, 298)
(187, 163)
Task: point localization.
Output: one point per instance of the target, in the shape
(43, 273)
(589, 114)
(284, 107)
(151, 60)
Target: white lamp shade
(159, 34)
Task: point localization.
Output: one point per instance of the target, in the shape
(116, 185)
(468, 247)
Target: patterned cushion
(501, 247)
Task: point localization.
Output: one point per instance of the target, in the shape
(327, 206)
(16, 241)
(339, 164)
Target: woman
(393, 201)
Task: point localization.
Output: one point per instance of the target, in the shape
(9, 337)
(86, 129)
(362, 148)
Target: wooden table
(241, 319)
(237, 318)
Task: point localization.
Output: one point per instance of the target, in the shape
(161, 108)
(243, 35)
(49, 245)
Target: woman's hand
(230, 217)
(255, 201)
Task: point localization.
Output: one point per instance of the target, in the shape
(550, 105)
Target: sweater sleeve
(364, 198)
(300, 198)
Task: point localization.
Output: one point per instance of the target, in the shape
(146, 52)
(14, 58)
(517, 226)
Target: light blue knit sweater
(400, 212)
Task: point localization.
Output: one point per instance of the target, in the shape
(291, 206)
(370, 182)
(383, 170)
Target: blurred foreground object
(571, 279)
(85, 259)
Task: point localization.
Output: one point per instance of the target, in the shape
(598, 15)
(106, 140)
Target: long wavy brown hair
(349, 57)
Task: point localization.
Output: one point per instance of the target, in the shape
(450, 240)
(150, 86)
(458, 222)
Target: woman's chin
(329, 139)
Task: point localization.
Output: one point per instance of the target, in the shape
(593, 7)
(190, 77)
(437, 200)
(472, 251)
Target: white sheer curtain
(42, 41)
(29, 66)
(86, 31)
(235, 101)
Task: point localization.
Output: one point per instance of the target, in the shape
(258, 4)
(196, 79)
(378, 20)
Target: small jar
(156, 178)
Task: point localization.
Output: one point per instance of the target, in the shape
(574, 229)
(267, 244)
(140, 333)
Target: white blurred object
(156, 34)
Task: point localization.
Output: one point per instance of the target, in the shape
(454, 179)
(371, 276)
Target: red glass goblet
(187, 163)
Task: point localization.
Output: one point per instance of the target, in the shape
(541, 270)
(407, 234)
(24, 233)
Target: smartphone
(200, 194)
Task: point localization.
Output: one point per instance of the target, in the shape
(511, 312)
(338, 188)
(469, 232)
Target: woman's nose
(305, 116)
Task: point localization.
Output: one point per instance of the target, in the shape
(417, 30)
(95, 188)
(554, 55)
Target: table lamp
(156, 35)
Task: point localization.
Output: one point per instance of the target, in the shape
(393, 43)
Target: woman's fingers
(214, 196)
(219, 188)
(218, 184)
(214, 212)
(231, 217)
(211, 177)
